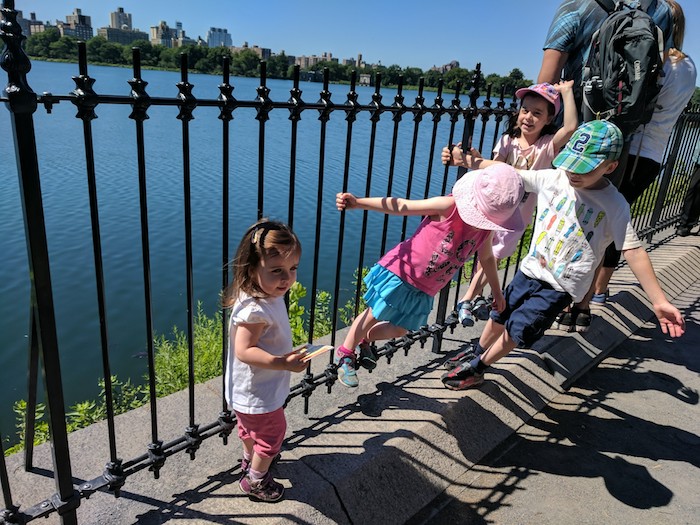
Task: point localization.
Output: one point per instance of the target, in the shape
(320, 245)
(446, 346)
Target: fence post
(22, 104)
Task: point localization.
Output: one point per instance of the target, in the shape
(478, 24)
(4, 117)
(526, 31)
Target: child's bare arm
(395, 205)
(471, 159)
(490, 266)
(563, 134)
(670, 318)
(248, 351)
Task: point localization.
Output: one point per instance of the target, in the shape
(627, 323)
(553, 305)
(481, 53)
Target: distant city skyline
(409, 34)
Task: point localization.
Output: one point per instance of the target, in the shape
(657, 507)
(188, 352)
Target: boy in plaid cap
(579, 213)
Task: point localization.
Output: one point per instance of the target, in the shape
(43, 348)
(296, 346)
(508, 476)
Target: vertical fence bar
(376, 109)
(418, 109)
(264, 107)
(140, 105)
(86, 101)
(455, 109)
(351, 110)
(324, 117)
(32, 385)
(443, 297)
(22, 104)
(226, 115)
(294, 116)
(187, 105)
(9, 515)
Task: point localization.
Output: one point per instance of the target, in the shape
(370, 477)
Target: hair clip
(255, 237)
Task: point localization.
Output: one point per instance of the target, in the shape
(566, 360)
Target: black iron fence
(467, 116)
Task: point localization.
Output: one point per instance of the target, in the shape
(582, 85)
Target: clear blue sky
(502, 34)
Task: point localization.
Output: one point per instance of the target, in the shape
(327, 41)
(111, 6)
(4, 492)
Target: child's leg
(492, 332)
(500, 348)
(476, 285)
(266, 431)
(358, 331)
(384, 331)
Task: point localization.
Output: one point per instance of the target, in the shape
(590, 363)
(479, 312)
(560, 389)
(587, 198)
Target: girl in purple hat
(531, 142)
(402, 285)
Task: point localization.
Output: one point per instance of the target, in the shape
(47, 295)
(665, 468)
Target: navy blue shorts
(531, 308)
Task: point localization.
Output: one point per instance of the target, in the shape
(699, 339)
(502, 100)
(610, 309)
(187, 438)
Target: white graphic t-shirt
(573, 228)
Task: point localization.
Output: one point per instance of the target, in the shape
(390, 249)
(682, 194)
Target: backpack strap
(607, 5)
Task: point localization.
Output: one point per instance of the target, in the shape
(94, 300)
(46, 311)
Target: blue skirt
(396, 301)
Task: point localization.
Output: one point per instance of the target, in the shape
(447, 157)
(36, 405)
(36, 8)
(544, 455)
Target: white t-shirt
(536, 156)
(250, 389)
(678, 86)
(573, 228)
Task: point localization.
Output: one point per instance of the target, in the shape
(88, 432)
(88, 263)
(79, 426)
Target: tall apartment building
(120, 29)
(164, 35)
(305, 62)
(31, 26)
(76, 25)
(119, 19)
(217, 37)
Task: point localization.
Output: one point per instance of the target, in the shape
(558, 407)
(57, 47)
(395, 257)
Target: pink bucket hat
(544, 90)
(489, 198)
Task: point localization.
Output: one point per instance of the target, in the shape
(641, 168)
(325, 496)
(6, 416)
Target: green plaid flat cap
(591, 144)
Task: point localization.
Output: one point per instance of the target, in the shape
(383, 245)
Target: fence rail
(480, 123)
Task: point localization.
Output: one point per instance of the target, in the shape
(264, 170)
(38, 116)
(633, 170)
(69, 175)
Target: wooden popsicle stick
(312, 351)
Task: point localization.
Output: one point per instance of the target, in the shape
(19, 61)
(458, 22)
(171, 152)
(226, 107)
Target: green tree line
(51, 45)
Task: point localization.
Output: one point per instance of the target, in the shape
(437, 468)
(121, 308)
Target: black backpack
(621, 76)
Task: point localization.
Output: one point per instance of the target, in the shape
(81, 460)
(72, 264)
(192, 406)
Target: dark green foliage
(246, 63)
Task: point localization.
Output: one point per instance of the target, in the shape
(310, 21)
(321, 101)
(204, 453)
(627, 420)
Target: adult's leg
(691, 203)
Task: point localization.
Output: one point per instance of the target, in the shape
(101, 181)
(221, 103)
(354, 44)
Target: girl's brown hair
(512, 129)
(263, 239)
(678, 20)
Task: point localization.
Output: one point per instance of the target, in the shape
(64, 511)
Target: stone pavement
(383, 453)
(621, 446)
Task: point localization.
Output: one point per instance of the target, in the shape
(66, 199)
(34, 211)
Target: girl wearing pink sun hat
(402, 285)
(531, 142)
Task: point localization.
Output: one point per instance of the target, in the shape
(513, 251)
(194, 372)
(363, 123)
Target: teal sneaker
(347, 374)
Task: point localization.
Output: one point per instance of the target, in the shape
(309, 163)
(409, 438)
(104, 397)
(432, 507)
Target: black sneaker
(565, 321)
(583, 321)
(367, 358)
(682, 231)
(462, 377)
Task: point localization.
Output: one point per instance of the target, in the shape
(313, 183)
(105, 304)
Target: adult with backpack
(570, 35)
(646, 149)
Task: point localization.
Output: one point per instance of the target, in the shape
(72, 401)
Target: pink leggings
(266, 430)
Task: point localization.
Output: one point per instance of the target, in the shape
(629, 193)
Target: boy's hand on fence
(670, 319)
(345, 201)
